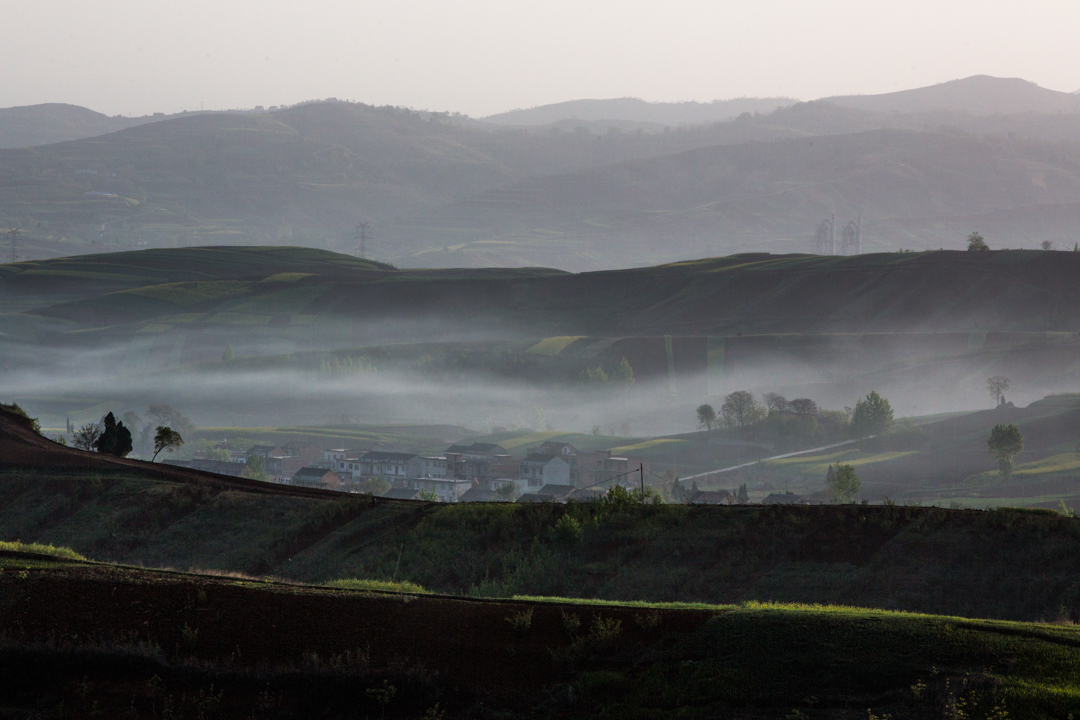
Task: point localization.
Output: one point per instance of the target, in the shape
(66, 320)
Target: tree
(228, 355)
(996, 386)
(872, 416)
(775, 403)
(741, 409)
(165, 438)
(165, 415)
(218, 454)
(131, 419)
(593, 376)
(86, 437)
(623, 373)
(743, 498)
(706, 416)
(255, 469)
(976, 243)
(844, 484)
(1047, 245)
(374, 486)
(803, 406)
(115, 439)
(14, 407)
(429, 495)
(1004, 443)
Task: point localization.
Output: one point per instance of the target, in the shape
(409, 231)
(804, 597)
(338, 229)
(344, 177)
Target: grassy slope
(950, 464)
(1013, 290)
(568, 661)
(1004, 564)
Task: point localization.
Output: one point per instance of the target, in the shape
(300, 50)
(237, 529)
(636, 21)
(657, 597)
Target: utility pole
(361, 239)
(641, 469)
(13, 243)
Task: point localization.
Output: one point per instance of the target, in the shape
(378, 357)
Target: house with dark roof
(534, 498)
(472, 462)
(712, 497)
(477, 495)
(539, 469)
(557, 492)
(390, 465)
(316, 477)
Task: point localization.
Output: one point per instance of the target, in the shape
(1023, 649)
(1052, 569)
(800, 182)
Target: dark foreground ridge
(1006, 564)
(81, 640)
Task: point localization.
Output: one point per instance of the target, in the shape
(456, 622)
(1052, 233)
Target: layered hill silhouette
(639, 111)
(977, 95)
(864, 321)
(924, 168)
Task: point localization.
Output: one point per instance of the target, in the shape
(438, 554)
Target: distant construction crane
(13, 243)
(361, 239)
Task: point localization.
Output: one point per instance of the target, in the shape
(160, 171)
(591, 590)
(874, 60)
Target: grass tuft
(378, 585)
(40, 549)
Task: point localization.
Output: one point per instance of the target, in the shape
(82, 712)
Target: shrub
(402, 586)
(521, 621)
(567, 532)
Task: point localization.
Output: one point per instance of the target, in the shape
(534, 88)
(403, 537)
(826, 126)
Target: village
(477, 472)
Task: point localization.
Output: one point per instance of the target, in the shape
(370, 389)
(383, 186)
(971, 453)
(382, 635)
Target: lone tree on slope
(115, 439)
(706, 416)
(86, 437)
(844, 484)
(873, 415)
(165, 438)
(996, 386)
(976, 243)
(1004, 443)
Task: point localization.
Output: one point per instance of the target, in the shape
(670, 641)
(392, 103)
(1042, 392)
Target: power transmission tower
(361, 239)
(13, 243)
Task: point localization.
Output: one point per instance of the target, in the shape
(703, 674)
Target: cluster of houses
(480, 472)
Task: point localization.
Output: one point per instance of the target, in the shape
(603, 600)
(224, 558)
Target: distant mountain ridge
(30, 125)
(638, 110)
(978, 95)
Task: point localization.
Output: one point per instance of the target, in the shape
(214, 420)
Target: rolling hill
(638, 111)
(317, 336)
(445, 191)
(977, 95)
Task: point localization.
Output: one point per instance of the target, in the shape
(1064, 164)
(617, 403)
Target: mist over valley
(765, 406)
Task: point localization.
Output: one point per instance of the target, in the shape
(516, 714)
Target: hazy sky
(481, 57)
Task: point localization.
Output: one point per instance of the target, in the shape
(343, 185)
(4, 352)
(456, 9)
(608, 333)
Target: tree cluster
(873, 415)
(1004, 443)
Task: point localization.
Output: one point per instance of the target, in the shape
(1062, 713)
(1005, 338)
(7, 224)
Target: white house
(539, 469)
(426, 467)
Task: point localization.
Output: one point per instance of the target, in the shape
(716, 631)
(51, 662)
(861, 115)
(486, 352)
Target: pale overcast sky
(481, 56)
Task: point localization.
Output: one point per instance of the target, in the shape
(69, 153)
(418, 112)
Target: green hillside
(923, 328)
(919, 559)
(753, 294)
(220, 646)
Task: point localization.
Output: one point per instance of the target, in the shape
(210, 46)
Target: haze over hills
(923, 167)
(31, 125)
(316, 334)
(978, 95)
(638, 110)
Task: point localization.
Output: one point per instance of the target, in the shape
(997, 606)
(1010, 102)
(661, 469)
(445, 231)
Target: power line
(13, 243)
(361, 238)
